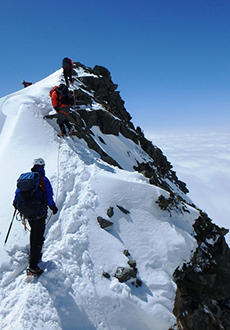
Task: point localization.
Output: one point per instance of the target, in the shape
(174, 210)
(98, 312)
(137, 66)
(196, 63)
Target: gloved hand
(54, 208)
(56, 108)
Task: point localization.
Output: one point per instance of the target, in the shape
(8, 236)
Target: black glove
(56, 108)
(54, 208)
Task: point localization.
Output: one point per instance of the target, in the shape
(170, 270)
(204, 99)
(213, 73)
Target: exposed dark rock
(104, 223)
(122, 209)
(107, 123)
(80, 65)
(101, 71)
(125, 274)
(110, 212)
(173, 203)
(87, 135)
(105, 92)
(138, 282)
(106, 275)
(82, 97)
(132, 263)
(114, 119)
(154, 173)
(203, 291)
(102, 141)
(126, 253)
(205, 229)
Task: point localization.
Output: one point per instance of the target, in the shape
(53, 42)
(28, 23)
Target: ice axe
(7, 235)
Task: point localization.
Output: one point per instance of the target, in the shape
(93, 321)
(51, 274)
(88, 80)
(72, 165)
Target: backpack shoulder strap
(42, 184)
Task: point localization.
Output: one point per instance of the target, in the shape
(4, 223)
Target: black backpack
(30, 197)
(65, 95)
(66, 63)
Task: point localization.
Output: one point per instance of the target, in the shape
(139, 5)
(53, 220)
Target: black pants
(68, 74)
(37, 226)
(62, 120)
(62, 126)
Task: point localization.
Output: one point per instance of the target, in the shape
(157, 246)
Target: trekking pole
(7, 235)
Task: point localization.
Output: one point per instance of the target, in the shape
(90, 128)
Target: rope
(75, 104)
(58, 170)
(24, 223)
(58, 155)
(20, 217)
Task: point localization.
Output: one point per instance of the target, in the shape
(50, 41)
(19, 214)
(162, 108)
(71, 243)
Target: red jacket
(71, 65)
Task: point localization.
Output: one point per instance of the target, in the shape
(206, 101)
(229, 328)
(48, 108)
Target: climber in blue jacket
(37, 221)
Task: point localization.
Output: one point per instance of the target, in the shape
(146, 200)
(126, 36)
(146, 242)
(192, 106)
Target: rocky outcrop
(124, 274)
(87, 135)
(104, 223)
(104, 90)
(114, 119)
(110, 212)
(173, 203)
(122, 209)
(203, 291)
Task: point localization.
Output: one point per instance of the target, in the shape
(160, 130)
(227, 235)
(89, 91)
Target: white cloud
(203, 162)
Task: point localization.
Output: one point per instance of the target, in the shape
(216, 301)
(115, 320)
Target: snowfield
(72, 293)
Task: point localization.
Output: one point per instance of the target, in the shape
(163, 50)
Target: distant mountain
(128, 248)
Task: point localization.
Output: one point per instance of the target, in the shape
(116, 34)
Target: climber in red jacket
(61, 100)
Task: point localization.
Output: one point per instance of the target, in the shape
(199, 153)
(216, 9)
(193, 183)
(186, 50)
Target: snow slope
(72, 293)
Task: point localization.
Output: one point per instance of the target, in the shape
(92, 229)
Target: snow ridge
(72, 293)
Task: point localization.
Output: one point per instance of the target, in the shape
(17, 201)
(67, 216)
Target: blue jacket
(47, 185)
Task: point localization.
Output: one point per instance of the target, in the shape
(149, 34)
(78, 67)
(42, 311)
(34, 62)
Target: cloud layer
(203, 162)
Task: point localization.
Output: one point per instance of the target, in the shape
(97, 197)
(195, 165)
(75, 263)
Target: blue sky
(170, 58)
